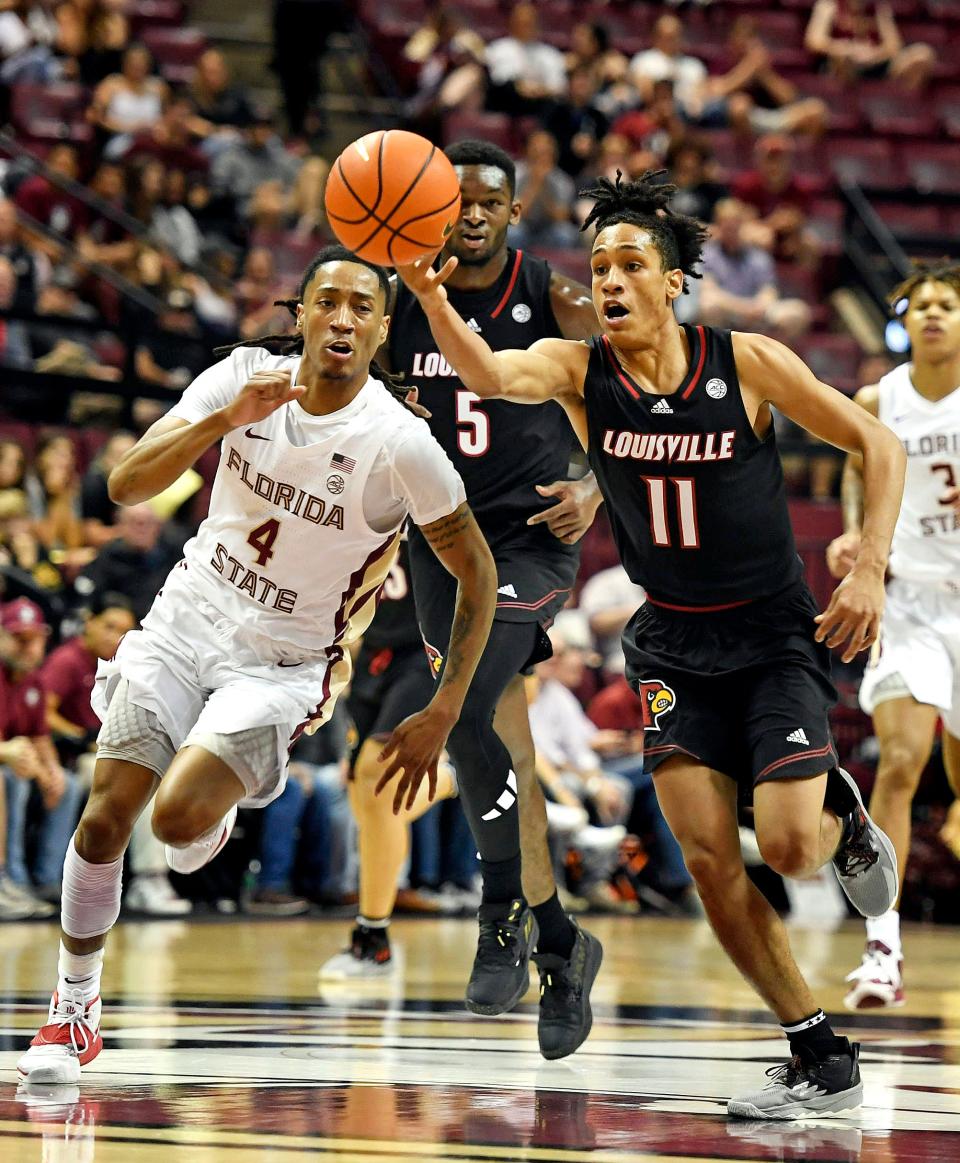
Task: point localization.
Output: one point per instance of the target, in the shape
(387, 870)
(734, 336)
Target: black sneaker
(866, 862)
(565, 984)
(369, 955)
(806, 1085)
(501, 969)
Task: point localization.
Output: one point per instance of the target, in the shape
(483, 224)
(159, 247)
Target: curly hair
(943, 270)
(644, 202)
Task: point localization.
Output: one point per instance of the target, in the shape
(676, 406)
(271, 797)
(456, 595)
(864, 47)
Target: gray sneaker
(18, 902)
(805, 1086)
(866, 861)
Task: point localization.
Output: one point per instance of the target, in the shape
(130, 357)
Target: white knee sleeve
(90, 897)
(134, 734)
(252, 755)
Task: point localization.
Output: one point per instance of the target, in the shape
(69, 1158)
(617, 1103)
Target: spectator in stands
(107, 37)
(13, 466)
(22, 259)
(689, 161)
(255, 294)
(27, 36)
(30, 570)
(48, 204)
(526, 74)
(665, 60)
(135, 562)
(547, 195)
(170, 139)
(129, 102)
(655, 127)
(782, 200)
(220, 108)
(53, 491)
(59, 348)
(155, 198)
(859, 38)
(577, 124)
(609, 600)
(451, 72)
(15, 350)
(213, 294)
(56, 795)
(171, 354)
(590, 49)
(739, 281)
(98, 511)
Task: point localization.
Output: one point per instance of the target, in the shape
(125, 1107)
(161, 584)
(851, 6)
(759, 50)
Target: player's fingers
(859, 640)
(415, 780)
(399, 794)
(553, 490)
(432, 780)
(446, 270)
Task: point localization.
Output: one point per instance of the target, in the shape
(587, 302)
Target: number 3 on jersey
(473, 425)
(686, 510)
(262, 539)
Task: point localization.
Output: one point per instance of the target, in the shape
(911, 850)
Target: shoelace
(856, 855)
(496, 940)
(556, 991)
(872, 966)
(786, 1073)
(74, 1018)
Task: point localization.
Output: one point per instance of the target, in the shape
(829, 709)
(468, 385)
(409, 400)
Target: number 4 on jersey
(262, 539)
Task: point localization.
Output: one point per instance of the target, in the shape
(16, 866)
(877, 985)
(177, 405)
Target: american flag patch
(344, 463)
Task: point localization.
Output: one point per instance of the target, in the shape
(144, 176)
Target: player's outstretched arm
(770, 372)
(416, 744)
(172, 445)
(552, 369)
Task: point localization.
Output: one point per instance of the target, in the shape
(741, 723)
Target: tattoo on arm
(441, 535)
(464, 620)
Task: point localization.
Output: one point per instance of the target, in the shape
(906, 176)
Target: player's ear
(516, 209)
(299, 316)
(674, 284)
(384, 328)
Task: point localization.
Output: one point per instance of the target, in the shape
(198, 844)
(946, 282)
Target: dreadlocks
(291, 343)
(942, 270)
(678, 238)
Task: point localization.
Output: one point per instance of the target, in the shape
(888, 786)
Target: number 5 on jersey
(473, 424)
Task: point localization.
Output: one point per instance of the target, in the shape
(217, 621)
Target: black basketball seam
(339, 217)
(398, 232)
(382, 222)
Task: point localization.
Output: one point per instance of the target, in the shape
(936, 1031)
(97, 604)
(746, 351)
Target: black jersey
(394, 625)
(696, 500)
(501, 450)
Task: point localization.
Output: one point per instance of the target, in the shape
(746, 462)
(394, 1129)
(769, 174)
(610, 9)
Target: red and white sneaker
(202, 851)
(877, 982)
(69, 1040)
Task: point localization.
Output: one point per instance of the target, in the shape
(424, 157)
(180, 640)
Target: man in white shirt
(247, 644)
(525, 72)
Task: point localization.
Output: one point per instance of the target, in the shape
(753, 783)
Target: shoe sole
(65, 1073)
(594, 961)
(868, 1005)
(827, 1105)
(888, 850)
(492, 1011)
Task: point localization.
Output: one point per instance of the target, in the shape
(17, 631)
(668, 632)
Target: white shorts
(200, 672)
(918, 652)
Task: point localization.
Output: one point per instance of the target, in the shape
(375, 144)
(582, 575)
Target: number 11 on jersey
(686, 499)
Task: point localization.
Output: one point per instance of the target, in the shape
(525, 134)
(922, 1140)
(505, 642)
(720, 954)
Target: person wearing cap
(35, 762)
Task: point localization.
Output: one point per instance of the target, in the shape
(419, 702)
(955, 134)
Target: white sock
(886, 930)
(80, 971)
(367, 923)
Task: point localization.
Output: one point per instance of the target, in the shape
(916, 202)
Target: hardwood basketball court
(222, 1046)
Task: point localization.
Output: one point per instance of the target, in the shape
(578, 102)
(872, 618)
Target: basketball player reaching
(247, 643)
(913, 678)
(728, 655)
(512, 460)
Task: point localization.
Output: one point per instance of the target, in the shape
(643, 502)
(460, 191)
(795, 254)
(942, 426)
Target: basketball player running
(247, 644)
(512, 461)
(914, 674)
(728, 654)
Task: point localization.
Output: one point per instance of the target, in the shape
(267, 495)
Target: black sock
(814, 1034)
(839, 797)
(557, 934)
(501, 880)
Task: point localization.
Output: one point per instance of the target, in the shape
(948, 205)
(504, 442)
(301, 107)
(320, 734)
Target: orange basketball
(392, 196)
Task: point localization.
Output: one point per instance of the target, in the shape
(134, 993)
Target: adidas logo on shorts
(798, 736)
(662, 408)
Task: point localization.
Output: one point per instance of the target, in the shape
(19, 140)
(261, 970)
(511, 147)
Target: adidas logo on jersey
(662, 408)
(474, 325)
(798, 736)
(507, 591)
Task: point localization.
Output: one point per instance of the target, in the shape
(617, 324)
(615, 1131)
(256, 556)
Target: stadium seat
(62, 101)
(890, 113)
(844, 111)
(176, 50)
(933, 168)
(830, 357)
(495, 127)
(144, 14)
(868, 161)
(573, 263)
(906, 219)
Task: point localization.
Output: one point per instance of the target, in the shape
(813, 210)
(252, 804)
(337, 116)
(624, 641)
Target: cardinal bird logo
(658, 699)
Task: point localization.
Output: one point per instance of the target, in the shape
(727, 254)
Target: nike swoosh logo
(253, 436)
(287, 663)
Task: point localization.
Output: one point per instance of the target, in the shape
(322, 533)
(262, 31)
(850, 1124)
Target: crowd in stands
(205, 213)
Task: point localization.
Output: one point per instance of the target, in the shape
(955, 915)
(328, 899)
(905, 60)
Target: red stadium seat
(830, 357)
(575, 264)
(933, 169)
(176, 50)
(908, 218)
(844, 111)
(890, 113)
(144, 14)
(868, 161)
(495, 127)
(62, 101)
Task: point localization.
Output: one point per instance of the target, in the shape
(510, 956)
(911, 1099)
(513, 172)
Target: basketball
(392, 197)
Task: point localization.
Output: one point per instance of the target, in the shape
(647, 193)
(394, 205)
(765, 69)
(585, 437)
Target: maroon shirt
(23, 706)
(50, 206)
(617, 708)
(750, 188)
(70, 672)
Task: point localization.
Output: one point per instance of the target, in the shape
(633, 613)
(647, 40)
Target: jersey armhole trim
(618, 371)
(514, 274)
(700, 362)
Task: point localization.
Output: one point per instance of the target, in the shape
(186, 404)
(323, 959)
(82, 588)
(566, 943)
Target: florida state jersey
(926, 540)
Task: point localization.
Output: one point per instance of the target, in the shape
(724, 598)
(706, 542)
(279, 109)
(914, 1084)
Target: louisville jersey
(696, 500)
(286, 549)
(502, 450)
(926, 540)
(395, 625)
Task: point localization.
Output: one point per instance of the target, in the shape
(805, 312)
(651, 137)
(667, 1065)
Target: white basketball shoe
(70, 1039)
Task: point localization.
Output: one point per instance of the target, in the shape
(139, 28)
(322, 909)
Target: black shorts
(387, 687)
(535, 575)
(746, 692)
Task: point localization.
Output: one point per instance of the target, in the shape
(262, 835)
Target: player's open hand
(572, 515)
(425, 282)
(853, 615)
(413, 751)
(263, 393)
(842, 554)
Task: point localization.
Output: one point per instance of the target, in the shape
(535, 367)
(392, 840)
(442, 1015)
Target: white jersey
(306, 511)
(926, 540)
